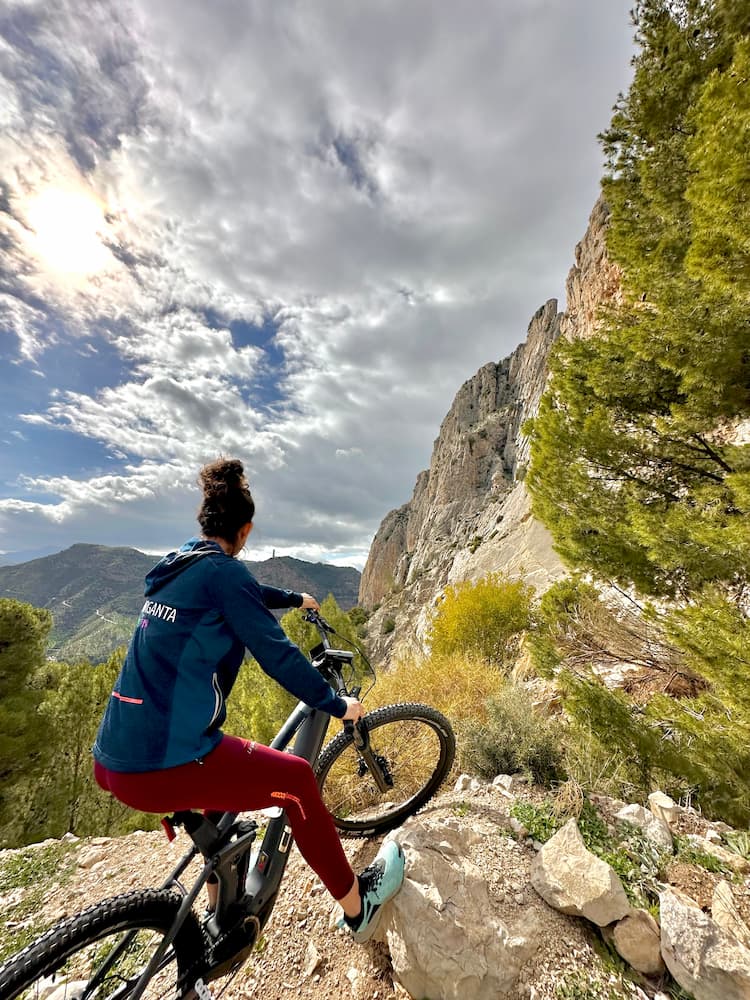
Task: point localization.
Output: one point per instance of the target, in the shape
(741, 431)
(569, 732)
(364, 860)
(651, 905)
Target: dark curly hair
(227, 501)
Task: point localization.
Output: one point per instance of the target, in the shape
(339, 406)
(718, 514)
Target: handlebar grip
(358, 731)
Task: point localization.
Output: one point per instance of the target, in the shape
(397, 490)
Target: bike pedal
(202, 991)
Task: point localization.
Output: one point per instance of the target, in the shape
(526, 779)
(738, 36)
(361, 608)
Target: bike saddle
(203, 832)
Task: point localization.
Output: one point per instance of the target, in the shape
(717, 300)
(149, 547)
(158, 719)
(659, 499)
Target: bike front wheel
(414, 747)
(101, 953)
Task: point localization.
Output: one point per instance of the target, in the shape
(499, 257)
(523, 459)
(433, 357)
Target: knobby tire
(417, 747)
(73, 950)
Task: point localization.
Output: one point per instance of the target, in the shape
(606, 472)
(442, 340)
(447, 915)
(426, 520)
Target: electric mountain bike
(373, 775)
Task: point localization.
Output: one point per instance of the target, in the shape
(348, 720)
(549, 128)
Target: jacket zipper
(219, 700)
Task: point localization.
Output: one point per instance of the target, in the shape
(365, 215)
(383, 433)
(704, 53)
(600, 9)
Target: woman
(160, 747)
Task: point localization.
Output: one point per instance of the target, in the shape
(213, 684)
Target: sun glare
(66, 227)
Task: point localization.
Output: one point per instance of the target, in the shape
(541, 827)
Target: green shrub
(482, 617)
(389, 625)
(514, 738)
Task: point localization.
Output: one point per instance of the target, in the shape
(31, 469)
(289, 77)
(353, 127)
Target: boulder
(465, 783)
(664, 808)
(654, 828)
(445, 943)
(704, 959)
(91, 856)
(573, 880)
(729, 858)
(725, 913)
(636, 938)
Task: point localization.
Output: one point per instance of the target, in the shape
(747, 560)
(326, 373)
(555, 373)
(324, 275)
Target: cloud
(316, 222)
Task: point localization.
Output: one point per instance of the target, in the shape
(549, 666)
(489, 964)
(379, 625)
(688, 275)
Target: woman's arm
(239, 597)
(273, 597)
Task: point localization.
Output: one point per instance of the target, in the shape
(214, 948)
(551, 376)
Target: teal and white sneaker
(377, 884)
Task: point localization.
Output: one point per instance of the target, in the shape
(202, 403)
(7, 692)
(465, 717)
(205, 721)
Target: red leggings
(240, 776)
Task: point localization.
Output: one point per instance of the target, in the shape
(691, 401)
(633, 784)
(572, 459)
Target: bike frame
(245, 899)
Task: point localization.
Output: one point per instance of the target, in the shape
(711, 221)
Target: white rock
(91, 856)
(636, 938)
(334, 916)
(466, 783)
(312, 960)
(68, 991)
(735, 861)
(654, 828)
(45, 988)
(703, 958)
(573, 880)
(444, 941)
(505, 781)
(70, 838)
(664, 808)
(725, 913)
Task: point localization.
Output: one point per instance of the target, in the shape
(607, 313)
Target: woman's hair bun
(227, 501)
(221, 476)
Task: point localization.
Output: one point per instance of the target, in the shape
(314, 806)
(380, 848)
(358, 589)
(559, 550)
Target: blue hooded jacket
(203, 609)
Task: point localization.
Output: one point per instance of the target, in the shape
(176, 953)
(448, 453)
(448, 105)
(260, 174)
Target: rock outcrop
(470, 513)
(705, 960)
(654, 828)
(574, 881)
(637, 939)
(443, 939)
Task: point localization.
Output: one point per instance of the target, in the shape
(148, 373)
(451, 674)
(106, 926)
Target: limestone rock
(636, 938)
(92, 856)
(704, 959)
(725, 913)
(444, 941)
(465, 783)
(654, 828)
(664, 808)
(729, 858)
(312, 960)
(573, 880)
(64, 991)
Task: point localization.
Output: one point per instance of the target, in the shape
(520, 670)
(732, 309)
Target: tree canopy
(640, 457)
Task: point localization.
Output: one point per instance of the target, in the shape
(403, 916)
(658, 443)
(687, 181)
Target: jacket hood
(175, 563)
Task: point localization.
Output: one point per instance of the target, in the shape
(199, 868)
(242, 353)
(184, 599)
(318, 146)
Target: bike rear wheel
(74, 959)
(415, 747)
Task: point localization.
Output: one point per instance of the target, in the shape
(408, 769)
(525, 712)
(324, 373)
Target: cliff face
(469, 514)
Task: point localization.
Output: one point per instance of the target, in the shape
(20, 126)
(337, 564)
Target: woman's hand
(354, 710)
(308, 601)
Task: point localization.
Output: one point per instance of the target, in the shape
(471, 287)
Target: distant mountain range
(95, 592)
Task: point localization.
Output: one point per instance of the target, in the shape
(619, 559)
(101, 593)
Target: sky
(286, 232)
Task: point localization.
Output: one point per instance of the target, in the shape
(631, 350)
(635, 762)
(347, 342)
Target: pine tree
(638, 464)
(23, 743)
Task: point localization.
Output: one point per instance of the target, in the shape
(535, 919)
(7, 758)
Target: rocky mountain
(95, 592)
(470, 514)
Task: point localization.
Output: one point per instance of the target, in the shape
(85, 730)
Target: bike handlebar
(324, 630)
(315, 618)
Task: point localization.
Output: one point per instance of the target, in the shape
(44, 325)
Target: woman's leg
(239, 776)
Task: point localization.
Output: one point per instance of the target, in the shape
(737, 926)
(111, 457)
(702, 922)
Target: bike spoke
(406, 750)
